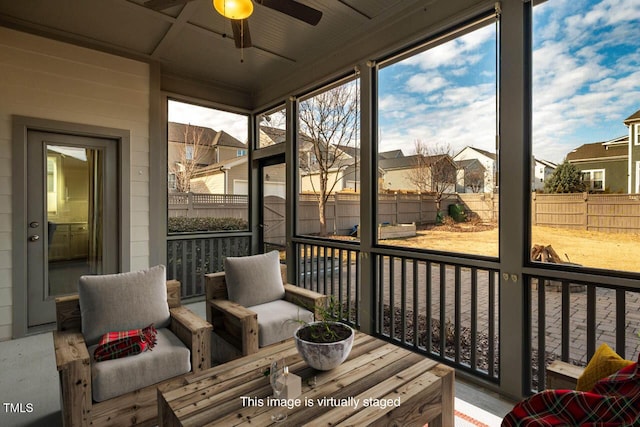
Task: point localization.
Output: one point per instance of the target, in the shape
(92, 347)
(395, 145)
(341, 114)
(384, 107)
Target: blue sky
(586, 72)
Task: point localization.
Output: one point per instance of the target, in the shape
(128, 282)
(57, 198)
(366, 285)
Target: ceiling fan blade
(163, 4)
(294, 9)
(241, 34)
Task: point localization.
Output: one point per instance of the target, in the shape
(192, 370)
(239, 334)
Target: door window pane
(274, 192)
(208, 169)
(74, 216)
(586, 57)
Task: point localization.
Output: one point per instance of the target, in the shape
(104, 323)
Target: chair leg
(75, 384)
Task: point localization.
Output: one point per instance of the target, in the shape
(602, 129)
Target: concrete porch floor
(29, 383)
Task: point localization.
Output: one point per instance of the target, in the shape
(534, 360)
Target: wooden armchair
(138, 407)
(236, 326)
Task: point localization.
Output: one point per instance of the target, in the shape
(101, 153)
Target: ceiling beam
(173, 33)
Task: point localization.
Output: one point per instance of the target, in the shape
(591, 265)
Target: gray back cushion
(255, 279)
(124, 301)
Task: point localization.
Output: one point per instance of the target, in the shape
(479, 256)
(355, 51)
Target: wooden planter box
(396, 231)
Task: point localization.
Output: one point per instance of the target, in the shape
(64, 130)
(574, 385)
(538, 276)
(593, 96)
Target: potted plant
(325, 343)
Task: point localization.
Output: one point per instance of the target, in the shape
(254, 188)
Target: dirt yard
(588, 248)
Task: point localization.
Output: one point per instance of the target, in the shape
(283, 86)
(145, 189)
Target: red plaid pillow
(114, 345)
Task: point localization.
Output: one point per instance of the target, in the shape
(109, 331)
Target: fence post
(534, 209)
(190, 210)
(585, 197)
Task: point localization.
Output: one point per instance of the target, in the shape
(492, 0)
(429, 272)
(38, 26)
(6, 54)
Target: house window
(241, 152)
(188, 154)
(594, 179)
(430, 100)
(580, 69)
(206, 178)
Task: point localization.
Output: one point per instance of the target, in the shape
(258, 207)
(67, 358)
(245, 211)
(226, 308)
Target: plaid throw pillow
(114, 345)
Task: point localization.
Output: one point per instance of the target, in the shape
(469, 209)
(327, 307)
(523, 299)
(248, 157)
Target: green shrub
(186, 225)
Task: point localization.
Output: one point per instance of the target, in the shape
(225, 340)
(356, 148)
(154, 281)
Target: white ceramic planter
(324, 356)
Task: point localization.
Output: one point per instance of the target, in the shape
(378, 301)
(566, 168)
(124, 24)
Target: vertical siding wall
(57, 81)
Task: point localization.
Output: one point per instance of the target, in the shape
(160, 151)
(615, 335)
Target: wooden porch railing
(189, 258)
(576, 317)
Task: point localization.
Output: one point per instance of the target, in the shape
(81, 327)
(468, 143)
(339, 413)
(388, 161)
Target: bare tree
(434, 171)
(330, 120)
(474, 179)
(190, 157)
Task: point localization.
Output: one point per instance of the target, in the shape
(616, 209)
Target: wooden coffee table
(378, 383)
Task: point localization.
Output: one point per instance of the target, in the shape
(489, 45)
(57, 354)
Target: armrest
(195, 332)
(562, 375)
(235, 324)
(74, 368)
(68, 313)
(305, 298)
(70, 349)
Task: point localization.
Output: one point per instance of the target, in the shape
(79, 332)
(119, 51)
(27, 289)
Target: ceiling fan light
(234, 9)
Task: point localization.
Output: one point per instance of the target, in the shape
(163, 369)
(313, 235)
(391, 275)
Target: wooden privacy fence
(611, 213)
(342, 209)
(201, 205)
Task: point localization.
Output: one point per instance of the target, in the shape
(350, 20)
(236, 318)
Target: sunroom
(165, 133)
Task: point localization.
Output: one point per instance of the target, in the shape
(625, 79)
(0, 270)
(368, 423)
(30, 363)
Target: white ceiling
(189, 40)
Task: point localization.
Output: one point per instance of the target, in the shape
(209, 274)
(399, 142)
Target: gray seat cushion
(120, 302)
(278, 320)
(111, 378)
(253, 280)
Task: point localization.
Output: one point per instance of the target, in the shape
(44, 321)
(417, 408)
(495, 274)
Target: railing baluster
(542, 322)
(474, 319)
(493, 303)
(429, 310)
(403, 300)
(457, 309)
(591, 321)
(392, 304)
(416, 280)
(566, 310)
(621, 322)
(443, 309)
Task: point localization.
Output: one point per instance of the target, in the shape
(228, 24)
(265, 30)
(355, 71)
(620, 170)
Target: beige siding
(311, 183)
(51, 80)
(398, 180)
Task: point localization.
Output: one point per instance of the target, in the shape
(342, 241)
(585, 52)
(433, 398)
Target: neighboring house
(342, 173)
(487, 159)
(226, 177)
(397, 171)
(612, 165)
(471, 176)
(540, 171)
(195, 149)
(271, 136)
(633, 123)
(603, 165)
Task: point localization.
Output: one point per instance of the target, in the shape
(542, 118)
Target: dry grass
(588, 248)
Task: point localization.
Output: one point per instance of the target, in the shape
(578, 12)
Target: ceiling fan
(240, 27)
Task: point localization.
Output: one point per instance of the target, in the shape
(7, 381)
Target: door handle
(34, 238)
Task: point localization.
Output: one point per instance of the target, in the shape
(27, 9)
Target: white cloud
(234, 124)
(582, 92)
(426, 83)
